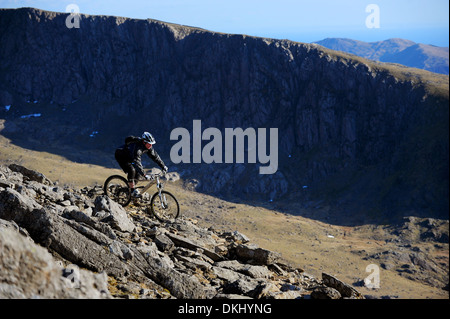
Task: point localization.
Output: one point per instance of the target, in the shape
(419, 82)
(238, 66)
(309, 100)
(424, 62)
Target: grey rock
(164, 243)
(51, 193)
(10, 177)
(90, 233)
(231, 296)
(120, 250)
(192, 244)
(66, 203)
(179, 284)
(30, 174)
(254, 254)
(226, 274)
(249, 270)
(287, 287)
(325, 293)
(344, 289)
(10, 224)
(6, 184)
(77, 215)
(14, 206)
(38, 276)
(257, 271)
(117, 217)
(57, 233)
(195, 262)
(232, 264)
(289, 294)
(237, 237)
(244, 286)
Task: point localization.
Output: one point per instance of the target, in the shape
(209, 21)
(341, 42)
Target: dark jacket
(132, 151)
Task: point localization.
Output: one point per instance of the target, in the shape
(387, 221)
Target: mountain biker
(129, 158)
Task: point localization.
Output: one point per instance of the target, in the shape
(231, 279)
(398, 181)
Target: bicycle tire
(161, 215)
(116, 187)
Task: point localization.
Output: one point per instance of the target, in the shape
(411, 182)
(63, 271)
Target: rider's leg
(127, 168)
(132, 181)
(131, 176)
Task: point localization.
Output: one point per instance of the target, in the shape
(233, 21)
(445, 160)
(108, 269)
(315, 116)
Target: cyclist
(129, 158)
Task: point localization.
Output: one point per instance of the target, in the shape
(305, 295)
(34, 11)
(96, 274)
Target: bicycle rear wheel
(164, 207)
(116, 187)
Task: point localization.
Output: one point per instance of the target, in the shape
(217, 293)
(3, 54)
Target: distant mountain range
(402, 51)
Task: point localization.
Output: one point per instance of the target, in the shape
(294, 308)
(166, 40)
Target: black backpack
(131, 139)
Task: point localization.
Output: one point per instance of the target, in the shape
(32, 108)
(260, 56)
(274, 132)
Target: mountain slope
(304, 242)
(84, 228)
(402, 51)
(427, 57)
(369, 139)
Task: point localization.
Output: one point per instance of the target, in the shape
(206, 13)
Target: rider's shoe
(136, 194)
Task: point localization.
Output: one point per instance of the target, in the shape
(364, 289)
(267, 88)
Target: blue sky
(423, 21)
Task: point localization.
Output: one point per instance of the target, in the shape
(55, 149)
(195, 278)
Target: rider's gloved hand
(148, 177)
(165, 169)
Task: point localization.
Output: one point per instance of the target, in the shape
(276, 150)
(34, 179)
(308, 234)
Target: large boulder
(29, 271)
(30, 174)
(251, 253)
(116, 215)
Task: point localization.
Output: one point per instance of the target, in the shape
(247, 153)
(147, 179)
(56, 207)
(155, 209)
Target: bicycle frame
(162, 204)
(159, 185)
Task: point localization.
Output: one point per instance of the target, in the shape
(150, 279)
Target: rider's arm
(138, 166)
(156, 158)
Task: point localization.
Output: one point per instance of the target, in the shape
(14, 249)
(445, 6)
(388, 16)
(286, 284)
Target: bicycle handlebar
(158, 174)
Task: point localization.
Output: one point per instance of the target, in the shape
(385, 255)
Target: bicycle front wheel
(116, 187)
(165, 206)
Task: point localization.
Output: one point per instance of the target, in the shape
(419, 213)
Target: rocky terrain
(368, 138)
(59, 242)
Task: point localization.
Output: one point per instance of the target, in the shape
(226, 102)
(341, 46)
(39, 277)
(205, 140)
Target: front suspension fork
(162, 198)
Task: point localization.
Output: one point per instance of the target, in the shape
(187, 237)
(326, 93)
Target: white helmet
(147, 137)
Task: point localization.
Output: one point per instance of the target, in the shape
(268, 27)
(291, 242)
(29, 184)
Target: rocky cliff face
(367, 136)
(63, 243)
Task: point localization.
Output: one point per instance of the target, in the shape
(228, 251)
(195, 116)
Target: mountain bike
(163, 205)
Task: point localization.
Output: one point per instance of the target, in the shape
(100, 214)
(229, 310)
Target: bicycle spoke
(165, 207)
(116, 188)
